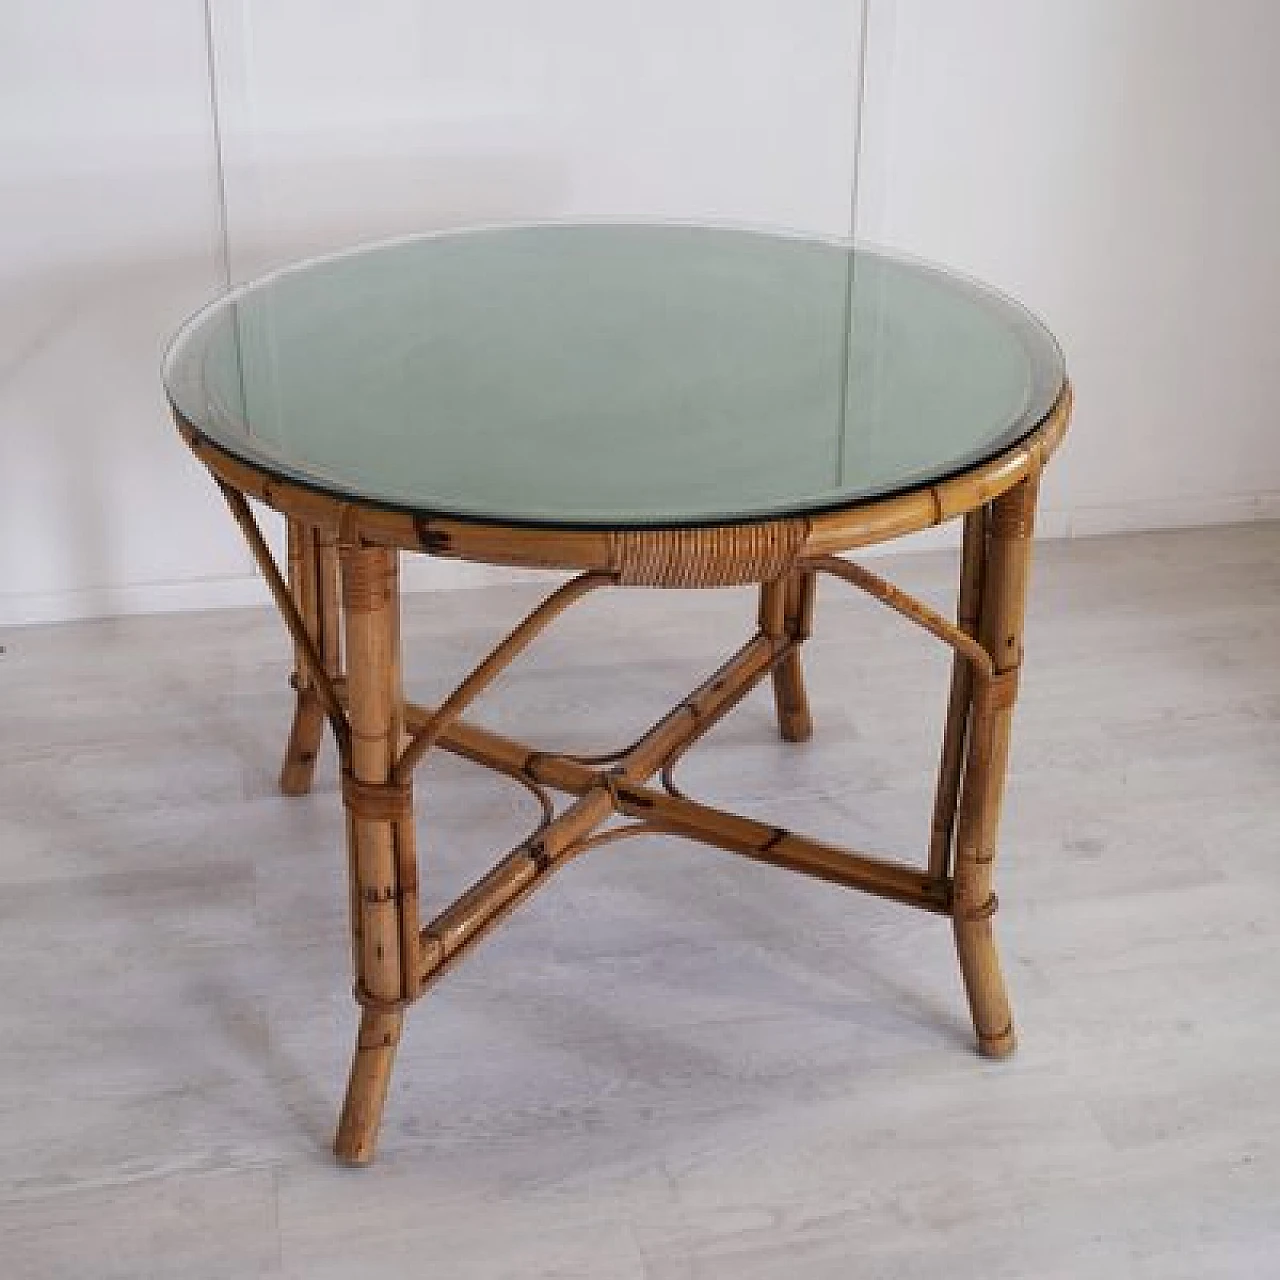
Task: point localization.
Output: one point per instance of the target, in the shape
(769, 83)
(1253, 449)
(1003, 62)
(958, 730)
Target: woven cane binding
(724, 557)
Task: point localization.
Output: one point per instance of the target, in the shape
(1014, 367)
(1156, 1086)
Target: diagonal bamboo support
(483, 675)
(497, 894)
(307, 655)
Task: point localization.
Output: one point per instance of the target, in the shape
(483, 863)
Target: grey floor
(672, 1063)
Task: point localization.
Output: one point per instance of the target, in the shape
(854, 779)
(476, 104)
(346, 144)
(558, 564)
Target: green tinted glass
(613, 375)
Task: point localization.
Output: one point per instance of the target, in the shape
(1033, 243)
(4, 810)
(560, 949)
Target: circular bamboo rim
(715, 555)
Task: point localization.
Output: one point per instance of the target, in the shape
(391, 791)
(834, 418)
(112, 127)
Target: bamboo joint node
(377, 801)
(1002, 689)
(367, 1000)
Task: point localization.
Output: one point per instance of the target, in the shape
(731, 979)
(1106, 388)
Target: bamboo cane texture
(370, 607)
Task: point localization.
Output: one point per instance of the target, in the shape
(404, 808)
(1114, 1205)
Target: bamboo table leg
(381, 837)
(786, 611)
(313, 583)
(972, 558)
(1000, 624)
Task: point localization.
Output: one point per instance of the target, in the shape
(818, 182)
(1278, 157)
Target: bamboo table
(647, 406)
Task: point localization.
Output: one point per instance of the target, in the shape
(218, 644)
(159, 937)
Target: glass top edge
(820, 507)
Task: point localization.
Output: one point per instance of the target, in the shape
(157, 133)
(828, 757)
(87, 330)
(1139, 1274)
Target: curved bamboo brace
(910, 608)
(612, 834)
(536, 790)
(587, 762)
(418, 717)
(667, 777)
(500, 657)
(284, 601)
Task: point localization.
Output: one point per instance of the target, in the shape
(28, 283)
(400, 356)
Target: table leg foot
(375, 1054)
(1001, 1046)
(984, 985)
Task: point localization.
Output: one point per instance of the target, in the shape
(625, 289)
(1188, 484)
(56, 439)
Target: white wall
(413, 113)
(1114, 164)
(1108, 161)
(107, 236)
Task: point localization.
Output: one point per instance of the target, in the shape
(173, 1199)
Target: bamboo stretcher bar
(764, 843)
(708, 703)
(486, 747)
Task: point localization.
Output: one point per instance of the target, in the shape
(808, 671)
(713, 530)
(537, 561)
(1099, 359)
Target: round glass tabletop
(616, 376)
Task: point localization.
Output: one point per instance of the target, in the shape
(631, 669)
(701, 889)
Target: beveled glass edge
(1030, 327)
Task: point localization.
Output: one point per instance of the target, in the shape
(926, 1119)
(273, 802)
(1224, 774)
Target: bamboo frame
(384, 896)
(347, 669)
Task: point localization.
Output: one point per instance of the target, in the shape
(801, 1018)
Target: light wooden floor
(673, 1063)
